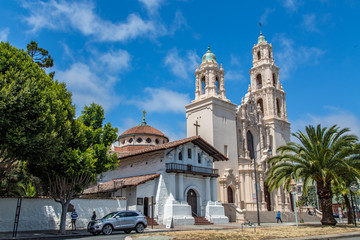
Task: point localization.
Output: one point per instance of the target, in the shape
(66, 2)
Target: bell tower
(269, 93)
(209, 78)
(212, 116)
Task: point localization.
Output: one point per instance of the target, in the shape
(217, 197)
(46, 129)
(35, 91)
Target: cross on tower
(197, 126)
(143, 122)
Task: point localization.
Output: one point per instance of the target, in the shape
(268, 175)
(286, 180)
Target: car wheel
(139, 228)
(127, 231)
(107, 229)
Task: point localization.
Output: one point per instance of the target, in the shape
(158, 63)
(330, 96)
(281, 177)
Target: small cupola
(261, 38)
(208, 56)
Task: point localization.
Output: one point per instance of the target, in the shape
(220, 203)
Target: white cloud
(234, 75)
(234, 60)
(80, 16)
(291, 5)
(182, 66)
(309, 22)
(4, 34)
(265, 15)
(342, 118)
(290, 55)
(88, 87)
(115, 61)
(151, 5)
(161, 100)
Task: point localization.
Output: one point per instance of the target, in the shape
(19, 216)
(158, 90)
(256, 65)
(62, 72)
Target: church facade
(247, 133)
(218, 172)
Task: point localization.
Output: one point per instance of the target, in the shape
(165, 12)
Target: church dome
(208, 56)
(139, 137)
(143, 129)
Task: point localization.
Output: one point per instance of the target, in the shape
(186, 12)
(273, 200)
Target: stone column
(181, 187)
(207, 189)
(172, 194)
(213, 190)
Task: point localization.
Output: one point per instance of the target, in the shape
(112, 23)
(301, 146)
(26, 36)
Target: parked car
(118, 221)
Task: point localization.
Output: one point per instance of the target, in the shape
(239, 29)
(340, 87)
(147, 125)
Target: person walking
(74, 216)
(93, 217)
(278, 217)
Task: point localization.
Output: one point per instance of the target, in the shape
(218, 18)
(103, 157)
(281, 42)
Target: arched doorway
(230, 195)
(146, 206)
(192, 201)
(267, 197)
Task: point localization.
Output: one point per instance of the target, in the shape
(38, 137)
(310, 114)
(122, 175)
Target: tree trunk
(350, 216)
(64, 207)
(325, 198)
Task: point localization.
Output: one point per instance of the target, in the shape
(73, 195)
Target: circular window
(139, 140)
(157, 141)
(148, 140)
(130, 140)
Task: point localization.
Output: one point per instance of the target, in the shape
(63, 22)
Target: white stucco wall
(44, 213)
(137, 166)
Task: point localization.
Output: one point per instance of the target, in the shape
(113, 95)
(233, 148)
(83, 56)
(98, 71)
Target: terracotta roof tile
(115, 184)
(213, 152)
(143, 129)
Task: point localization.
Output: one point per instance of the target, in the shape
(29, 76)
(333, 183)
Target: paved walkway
(82, 233)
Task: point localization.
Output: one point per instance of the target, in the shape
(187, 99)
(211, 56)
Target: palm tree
(323, 155)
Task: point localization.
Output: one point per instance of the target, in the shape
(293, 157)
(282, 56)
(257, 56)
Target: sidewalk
(81, 233)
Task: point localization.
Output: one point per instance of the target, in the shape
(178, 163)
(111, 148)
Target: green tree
(78, 163)
(31, 111)
(323, 155)
(39, 55)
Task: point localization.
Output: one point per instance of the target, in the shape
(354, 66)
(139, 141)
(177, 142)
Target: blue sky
(134, 55)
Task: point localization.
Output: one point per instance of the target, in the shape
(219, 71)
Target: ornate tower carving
(209, 78)
(269, 93)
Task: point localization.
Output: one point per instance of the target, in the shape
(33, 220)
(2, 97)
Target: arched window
(230, 195)
(259, 55)
(258, 81)
(180, 156)
(203, 84)
(250, 144)
(274, 79)
(139, 140)
(261, 104)
(199, 158)
(269, 54)
(217, 84)
(148, 140)
(157, 141)
(130, 140)
(278, 109)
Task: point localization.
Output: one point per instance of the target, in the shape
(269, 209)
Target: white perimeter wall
(44, 214)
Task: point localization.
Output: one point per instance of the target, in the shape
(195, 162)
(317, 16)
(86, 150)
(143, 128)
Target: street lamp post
(269, 152)
(293, 192)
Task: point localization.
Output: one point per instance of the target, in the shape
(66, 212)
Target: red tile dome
(143, 130)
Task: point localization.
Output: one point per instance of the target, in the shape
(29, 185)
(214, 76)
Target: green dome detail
(261, 38)
(208, 56)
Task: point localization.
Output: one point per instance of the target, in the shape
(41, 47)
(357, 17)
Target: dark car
(118, 221)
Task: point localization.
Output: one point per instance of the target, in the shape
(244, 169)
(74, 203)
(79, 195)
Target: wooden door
(146, 207)
(230, 195)
(192, 201)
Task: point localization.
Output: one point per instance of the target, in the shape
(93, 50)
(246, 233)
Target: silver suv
(118, 221)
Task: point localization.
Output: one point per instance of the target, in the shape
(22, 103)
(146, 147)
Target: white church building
(211, 173)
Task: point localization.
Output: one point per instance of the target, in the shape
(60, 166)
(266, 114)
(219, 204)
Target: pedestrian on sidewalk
(278, 217)
(74, 216)
(93, 217)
